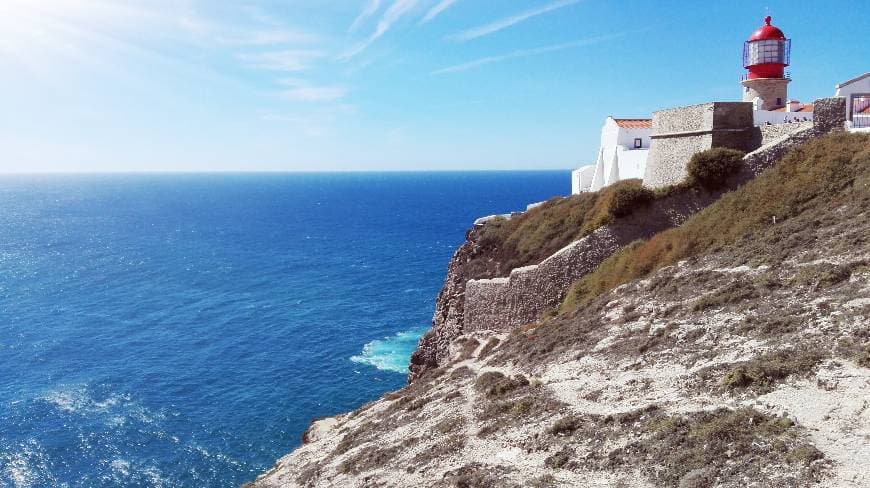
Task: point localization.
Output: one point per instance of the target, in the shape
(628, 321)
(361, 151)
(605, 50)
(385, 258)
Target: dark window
(638, 143)
(779, 102)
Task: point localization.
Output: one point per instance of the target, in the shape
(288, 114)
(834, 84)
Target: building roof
(634, 123)
(766, 32)
(853, 80)
(804, 107)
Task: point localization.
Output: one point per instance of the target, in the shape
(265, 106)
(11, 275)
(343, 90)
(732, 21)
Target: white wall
(617, 159)
(581, 179)
(632, 164)
(762, 117)
(861, 86)
(612, 135)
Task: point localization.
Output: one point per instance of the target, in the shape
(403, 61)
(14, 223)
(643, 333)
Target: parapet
(678, 133)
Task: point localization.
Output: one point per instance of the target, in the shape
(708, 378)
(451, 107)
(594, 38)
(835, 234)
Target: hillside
(733, 350)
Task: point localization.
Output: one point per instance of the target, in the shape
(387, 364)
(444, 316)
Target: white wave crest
(391, 353)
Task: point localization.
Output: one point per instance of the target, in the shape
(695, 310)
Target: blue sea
(183, 330)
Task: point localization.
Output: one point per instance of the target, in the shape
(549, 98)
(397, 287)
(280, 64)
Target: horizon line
(276, 172)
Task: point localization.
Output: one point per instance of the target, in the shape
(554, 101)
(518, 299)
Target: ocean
(183, 330)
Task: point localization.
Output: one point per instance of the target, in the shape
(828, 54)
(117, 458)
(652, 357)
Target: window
(766, 51)
(638, 143)
(779, 102)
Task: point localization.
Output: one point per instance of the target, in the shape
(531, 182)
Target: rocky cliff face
(738, 356)
(447, 322)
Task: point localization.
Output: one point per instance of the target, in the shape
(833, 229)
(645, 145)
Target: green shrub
(711, 168)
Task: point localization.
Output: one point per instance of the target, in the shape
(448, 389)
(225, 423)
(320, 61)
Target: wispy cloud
(266, 37)
(301, 91)
(501, 24)
(397, 10)
(367, 12)
(291, 61)
(524, 53)
(436, 10)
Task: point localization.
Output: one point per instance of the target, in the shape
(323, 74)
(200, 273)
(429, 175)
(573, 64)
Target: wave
(76, 399)
(391, 353)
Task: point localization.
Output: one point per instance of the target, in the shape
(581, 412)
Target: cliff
(510, 273)
(731, 349)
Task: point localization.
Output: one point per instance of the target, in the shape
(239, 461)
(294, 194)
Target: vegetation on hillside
(816, 175)
(713, 167)
(532, 236)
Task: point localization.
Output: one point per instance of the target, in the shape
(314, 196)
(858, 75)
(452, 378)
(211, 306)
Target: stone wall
(531, 290)
(830, 115)
(678, 133)
(773, 132)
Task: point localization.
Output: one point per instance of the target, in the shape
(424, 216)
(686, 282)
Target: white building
(621, 156)
(793, 111)
(625, 142)
(857, 94)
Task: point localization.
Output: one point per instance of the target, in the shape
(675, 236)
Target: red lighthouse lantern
(767, 52)
(765, 55)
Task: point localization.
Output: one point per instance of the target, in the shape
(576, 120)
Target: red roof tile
(634, 123)
(806, 107)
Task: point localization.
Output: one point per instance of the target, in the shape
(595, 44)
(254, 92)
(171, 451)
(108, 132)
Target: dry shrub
(713, 167)
(741, 443)
(763, 372)
(531, 237)
(822, 172)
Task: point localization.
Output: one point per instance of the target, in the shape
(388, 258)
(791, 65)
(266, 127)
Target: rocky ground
(743, 366)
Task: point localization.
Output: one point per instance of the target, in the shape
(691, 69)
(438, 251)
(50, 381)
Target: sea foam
(391, 353)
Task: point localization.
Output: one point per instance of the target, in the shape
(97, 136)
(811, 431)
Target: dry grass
(828, 171)
(761, 373)
(531, 237)
(733, 444)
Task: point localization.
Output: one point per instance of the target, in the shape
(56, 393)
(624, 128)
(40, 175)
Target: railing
(785, 76)
(860, 121)
(860, 115)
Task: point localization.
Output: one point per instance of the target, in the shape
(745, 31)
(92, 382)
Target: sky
(344, 85)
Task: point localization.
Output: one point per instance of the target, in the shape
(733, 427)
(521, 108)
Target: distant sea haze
(182, 330)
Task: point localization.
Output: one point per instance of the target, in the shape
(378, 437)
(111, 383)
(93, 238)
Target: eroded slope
(741, 363)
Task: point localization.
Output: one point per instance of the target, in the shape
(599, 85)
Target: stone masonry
(532, 289)
(678, 133)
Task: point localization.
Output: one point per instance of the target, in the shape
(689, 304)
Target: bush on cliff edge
(711, 168)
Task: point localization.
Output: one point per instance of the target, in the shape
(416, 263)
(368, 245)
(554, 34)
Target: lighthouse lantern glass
(767, 51)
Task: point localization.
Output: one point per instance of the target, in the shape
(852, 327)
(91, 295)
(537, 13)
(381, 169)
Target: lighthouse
(765, 55)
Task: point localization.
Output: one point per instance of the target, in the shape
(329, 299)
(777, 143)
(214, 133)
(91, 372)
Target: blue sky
(308, 85)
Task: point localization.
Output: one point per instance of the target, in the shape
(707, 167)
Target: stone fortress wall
(769, 133)
(678, 133)
(531, 291)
